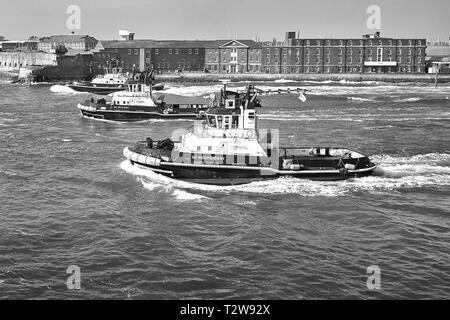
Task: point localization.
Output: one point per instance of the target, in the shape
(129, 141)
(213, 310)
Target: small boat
(227, 148)
(139, 103)
(112, 80)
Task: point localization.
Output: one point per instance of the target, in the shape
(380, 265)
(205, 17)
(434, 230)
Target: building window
(170, 51)
(327, 51)
(317, 60)
(136, 52)
(129, 52)
(328, 42)
(399, 42)
(176, 51)
(340, 59)
(318, 42)
(328, 60)
(156, 51)
(379, 54)
(307, 42)
(307, 51)
(307, 60)
(195, 51)
(408, 60)
(350, 51)
(350, 42)
(399, 51)
(190, 51)
(349, 59)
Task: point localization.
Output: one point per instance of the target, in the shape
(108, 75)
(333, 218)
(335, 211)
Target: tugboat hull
(218, 174)
(105, 89)
(132, 115)
(101, 90)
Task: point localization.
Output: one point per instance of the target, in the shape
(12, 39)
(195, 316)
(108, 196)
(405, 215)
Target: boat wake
(393, 174)
(57, 88)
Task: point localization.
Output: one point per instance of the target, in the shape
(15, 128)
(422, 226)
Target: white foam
(394, 173)
(359, 99)
(283, 81)
(413, 99)
(155, 182)
(57, 88)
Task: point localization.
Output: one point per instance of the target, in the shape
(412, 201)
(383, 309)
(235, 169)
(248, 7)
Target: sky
(224, 19)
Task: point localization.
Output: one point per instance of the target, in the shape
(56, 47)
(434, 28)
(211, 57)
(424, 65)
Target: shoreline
(200, 77)
(258, 77)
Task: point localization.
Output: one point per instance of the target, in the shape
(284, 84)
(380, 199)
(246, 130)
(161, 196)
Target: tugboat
(138, 103)
(112, 80)
(227, 148)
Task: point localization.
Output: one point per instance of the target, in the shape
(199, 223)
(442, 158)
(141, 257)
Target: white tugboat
(227, 148)
(112, 80)
(138, 103)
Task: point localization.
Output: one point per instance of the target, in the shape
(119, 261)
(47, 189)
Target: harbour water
(69, 198)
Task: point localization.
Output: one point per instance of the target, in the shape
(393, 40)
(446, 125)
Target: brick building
(71, 41)
(233, 56)
(164, 56)
(369, 54)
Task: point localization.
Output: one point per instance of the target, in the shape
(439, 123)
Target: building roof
(138, 44)
(66, 38)
(246, 43)
(438, 51)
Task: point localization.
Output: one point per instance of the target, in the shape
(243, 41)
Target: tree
(2, 38)
(33, 38)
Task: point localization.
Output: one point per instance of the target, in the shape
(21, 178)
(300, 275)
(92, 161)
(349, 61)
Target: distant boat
(138, 103)
(111, 81)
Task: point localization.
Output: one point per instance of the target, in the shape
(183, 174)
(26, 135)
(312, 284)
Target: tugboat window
(234, 122)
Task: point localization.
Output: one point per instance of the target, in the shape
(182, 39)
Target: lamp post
(436, 75)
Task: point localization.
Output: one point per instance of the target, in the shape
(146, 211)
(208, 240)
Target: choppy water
(69, 198)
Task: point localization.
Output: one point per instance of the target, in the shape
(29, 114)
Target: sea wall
(213, 77)
(13, 61)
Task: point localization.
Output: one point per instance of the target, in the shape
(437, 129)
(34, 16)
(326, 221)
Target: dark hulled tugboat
(226, 148)
(112, 80)
(138, 103)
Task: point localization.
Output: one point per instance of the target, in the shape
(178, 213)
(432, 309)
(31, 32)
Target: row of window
(369, 42)
(349, 69)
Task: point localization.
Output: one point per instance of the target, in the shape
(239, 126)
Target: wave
(389, 92)
(414, 99)
(394, 173)
(283, 81)
(57, 88)
(359, 99)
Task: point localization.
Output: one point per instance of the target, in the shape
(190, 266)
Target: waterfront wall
(13, 61)
(213, 77)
